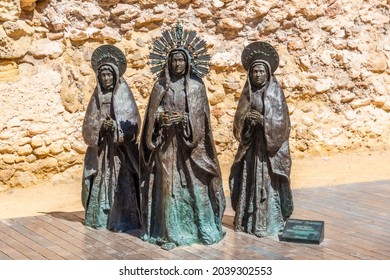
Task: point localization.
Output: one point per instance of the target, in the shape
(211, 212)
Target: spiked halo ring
(260, 51)
(177, 38)
(109, 54)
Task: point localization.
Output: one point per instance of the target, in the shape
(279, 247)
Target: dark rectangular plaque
(303, 231)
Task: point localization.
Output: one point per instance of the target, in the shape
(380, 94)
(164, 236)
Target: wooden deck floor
(357, 226)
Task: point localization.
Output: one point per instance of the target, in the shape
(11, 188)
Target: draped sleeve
(126, 115)
(92, 122)
(242, 109)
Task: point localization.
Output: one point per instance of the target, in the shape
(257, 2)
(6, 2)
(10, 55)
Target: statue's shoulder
(123, 85)
(159, 84)
(197, 82)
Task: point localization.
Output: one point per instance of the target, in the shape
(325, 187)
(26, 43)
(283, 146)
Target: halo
(109, 54)
(260, 51)
(177, 38)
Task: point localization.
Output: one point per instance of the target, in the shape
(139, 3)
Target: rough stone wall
(334, 68)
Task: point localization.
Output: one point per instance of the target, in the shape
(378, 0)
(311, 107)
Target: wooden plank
(149, 251)
(62, 246)
(152, 251)
(25, 242)
(352, 224)
(3, 256)
(82, 239)
(213, 251)
(344, 243)
(52, 251)
(77, 247)
(125, 241)
(203, 255)
(11, 252)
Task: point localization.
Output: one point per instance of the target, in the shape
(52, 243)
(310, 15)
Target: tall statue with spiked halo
(181, 188)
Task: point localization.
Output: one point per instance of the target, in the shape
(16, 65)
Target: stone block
(9, 71)
(108, 3)
(79, 147)
(37, 141)
(230, 24)
(9, 159)
(9, 10)
(47, 48)
(23, 179)
(37, 128)
(28, 5)
(17, 29)
(25, 150)
(6, 174)
(41, 152)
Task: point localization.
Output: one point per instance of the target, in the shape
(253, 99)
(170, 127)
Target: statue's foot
(238, 229)
(144, 237)
(168, 246)
(261, 234)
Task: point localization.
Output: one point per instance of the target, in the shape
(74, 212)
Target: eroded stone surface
(334, 69)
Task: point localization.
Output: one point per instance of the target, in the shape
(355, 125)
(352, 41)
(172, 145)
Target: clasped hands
(174, 118)
(108, 124)
(254, 117)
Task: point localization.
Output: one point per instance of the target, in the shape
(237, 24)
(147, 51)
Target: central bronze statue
(182, 196)
(260, 175)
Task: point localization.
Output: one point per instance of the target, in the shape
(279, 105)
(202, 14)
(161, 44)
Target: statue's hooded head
(109, 64)
(259, 73)
(178, 62)
(107, 75)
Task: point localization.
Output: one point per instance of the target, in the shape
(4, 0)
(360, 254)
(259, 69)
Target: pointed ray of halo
(178, 34)
(195, 42)
(191, 37)
(159, 45)
(185, 36)
(165, 42)
(167, 38)
(156, 56)
(179, 38)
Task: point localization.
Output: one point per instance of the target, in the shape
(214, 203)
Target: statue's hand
(254, 117)
(165, 119)
(108, 124)
(176, 117)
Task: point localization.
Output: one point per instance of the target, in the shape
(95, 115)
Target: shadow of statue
(77, 216)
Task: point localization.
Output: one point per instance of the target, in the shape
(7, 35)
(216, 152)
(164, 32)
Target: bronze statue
(182, 195)
(259, 179)
(110, 193)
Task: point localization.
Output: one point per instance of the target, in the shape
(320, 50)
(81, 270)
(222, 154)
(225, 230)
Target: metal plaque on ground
(303, 231)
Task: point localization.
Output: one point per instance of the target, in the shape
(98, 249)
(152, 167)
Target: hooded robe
(182, 195)
(260, 175)
(110, 193)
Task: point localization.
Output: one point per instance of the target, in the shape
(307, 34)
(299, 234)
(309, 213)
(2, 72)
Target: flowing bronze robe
(110, 193)
(259, 179)
(182, 195)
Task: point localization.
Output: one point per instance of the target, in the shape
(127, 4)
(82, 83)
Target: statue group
(169, 184)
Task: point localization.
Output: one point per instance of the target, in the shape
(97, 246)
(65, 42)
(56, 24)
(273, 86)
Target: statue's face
(178, 64)
(106, 78)
(259, 75)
